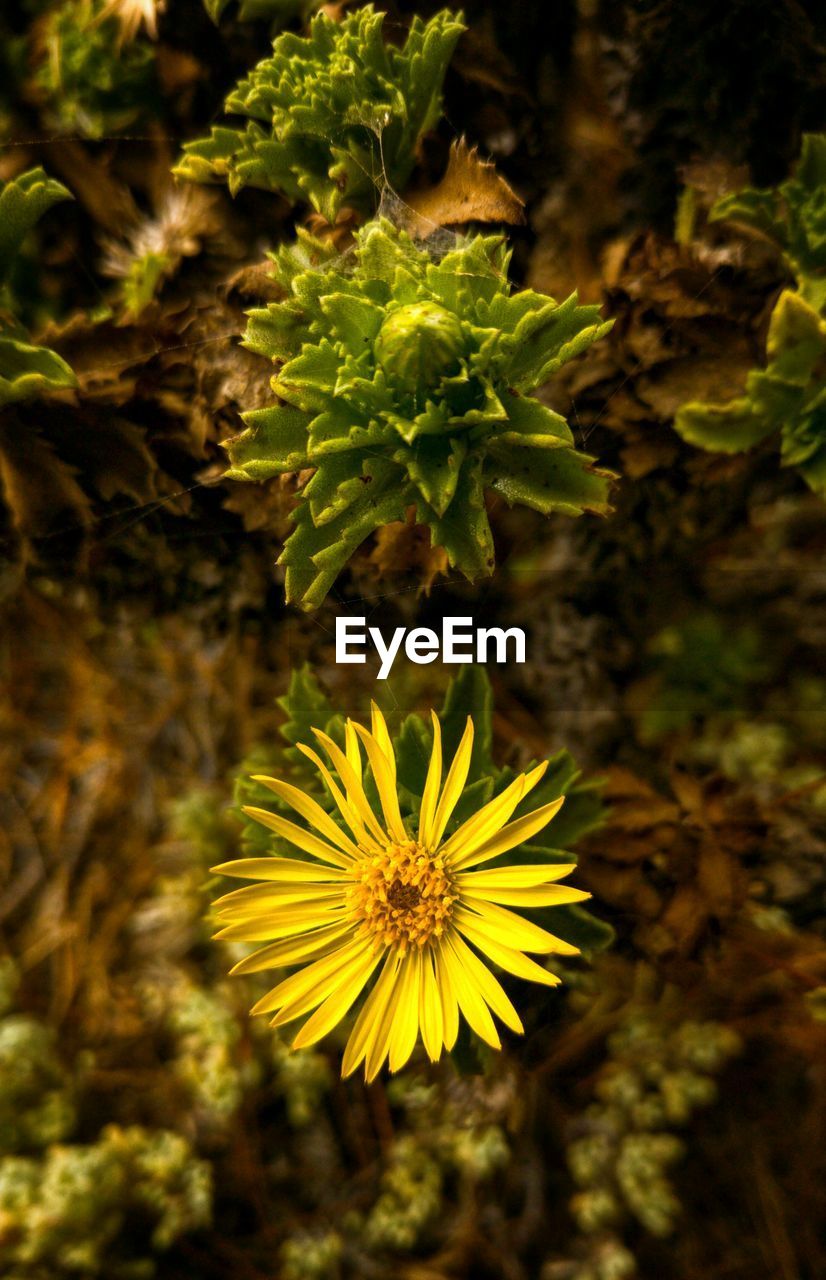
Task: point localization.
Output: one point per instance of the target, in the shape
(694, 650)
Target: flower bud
(418, 345)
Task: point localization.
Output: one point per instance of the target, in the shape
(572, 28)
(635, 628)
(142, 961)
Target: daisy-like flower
(397, 906)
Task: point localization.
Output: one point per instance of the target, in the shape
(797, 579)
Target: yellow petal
(512, 961)
(336, 1005)
(490, 818)
(312, 812)
(371, 1013)
(309, 946)
(510, 836)
(489, 987)
(379, 1039)
(405, 1027)
(547, 895)
(385, 780)
(382, 736)
(454, 784)
(484, 822)
(297, 835)
(254, 896)
(430, 795)
(313, 981)
(520, 876)
(430, 1009)
(281, 925)
(447, 996)
(351, 749)
(469, 997)
(352, 783)
(348, 811)
(277, 869)
(511, 930)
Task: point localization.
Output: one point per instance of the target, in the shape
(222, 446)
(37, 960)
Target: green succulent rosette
(404, 382)
(333, 115)
(788, 396)
(793, 215)
(26, 370)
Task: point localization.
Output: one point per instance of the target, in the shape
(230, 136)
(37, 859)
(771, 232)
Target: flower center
(403, 896)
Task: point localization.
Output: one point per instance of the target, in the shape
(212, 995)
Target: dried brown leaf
(470, 191)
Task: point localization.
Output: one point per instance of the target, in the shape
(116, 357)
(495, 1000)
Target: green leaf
(469, 694)
(314, 557)
(275, 442)
(793, 215)
(435, 470)
(553, 479)
(88, 80)
(725, 428)
(532, 425)
(412, 747)
(574, 924)
(307, 707)
(464, 530)
(785, 397)
(23, 201)
(546, 339)
(27, 371)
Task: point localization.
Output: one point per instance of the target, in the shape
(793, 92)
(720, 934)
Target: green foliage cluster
(409, 1199)
(26, 370)
(333, 114)
(66, 1209)
(205, 1059)
(89, 80)
(793, 216)
(405, 382)
(656, 1077)
(311, 1257)
(66, 1213)
(37, 1094)
(469, 694)
(788, 396)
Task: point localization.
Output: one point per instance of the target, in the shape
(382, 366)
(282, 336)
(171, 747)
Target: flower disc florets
(404, 382)
(403, 896)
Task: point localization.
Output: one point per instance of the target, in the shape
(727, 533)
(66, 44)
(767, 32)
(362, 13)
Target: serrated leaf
(549, 480)
(27, 371)
(23, 201)
(314, 557)
(274, 442)
(469, 694)
(306, 706)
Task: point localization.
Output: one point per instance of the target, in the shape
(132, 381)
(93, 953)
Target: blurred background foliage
(661, 1116)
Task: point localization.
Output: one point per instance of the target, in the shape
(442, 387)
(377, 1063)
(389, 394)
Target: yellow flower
(376, 898)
